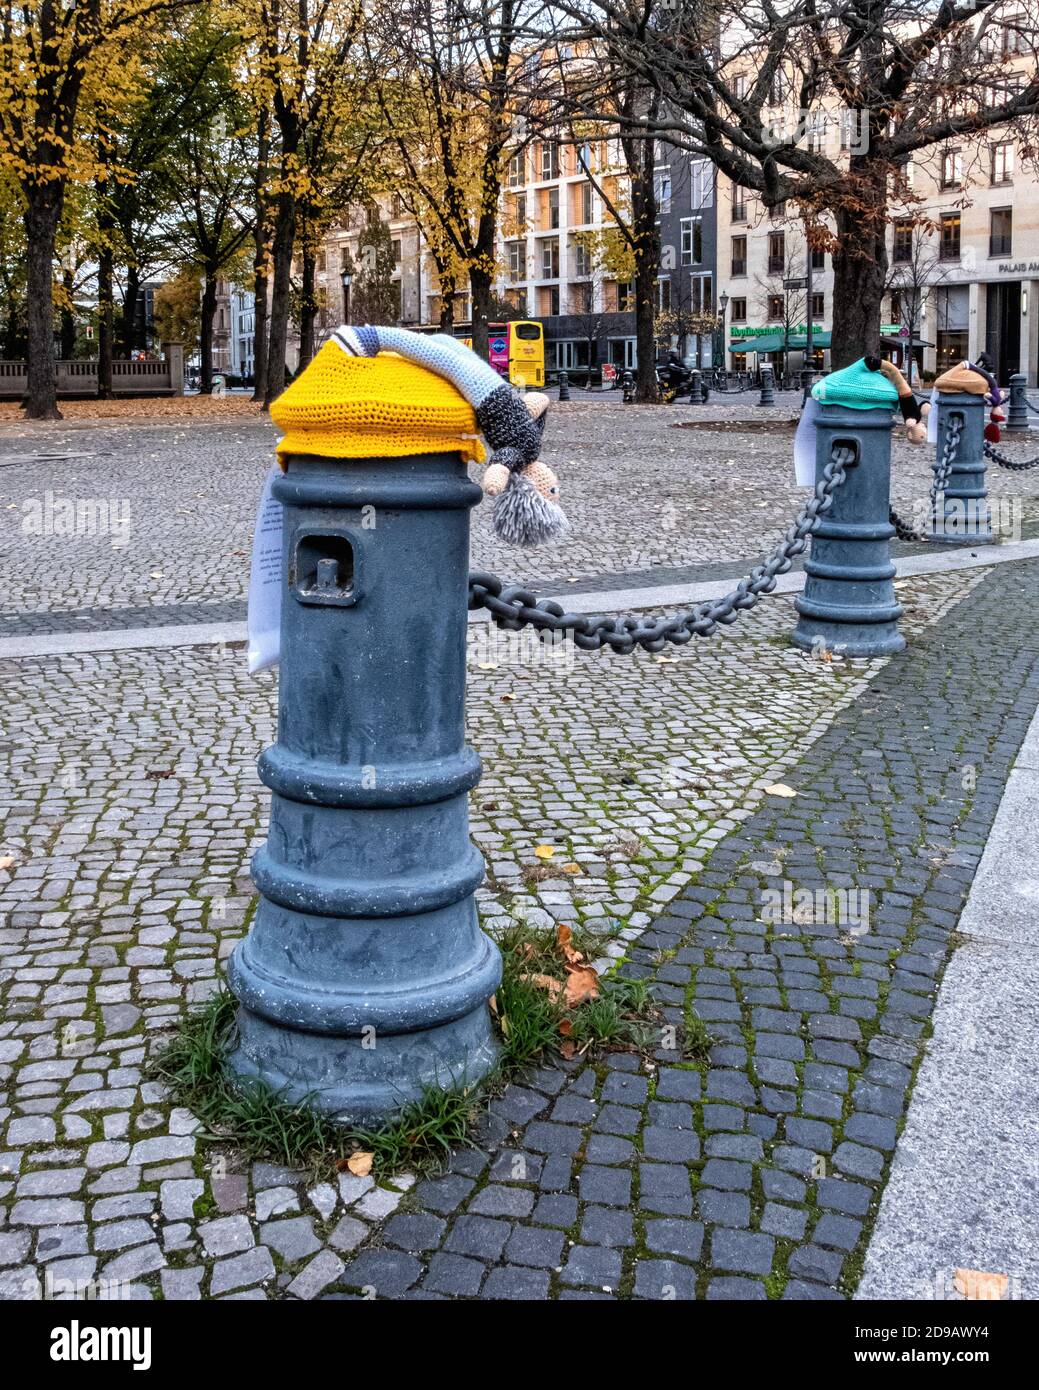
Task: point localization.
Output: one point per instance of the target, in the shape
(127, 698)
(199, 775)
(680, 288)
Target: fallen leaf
(155, 574)
(572, 869)
(566, 1027)
(565, 942)
(6, 861)
(548, 983)
(487, 666)
(582, 983)
(360, 1163)
(508, 697)
(503, 1024)
(492, 1004)
(567, 1050)
(666, 660)
(779, 789)
(544, 851)
(979, 1284)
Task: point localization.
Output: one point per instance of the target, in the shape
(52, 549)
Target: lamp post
(347, 279)
(719, 356)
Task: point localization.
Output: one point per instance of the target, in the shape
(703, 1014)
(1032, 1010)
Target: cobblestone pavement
(642, 496)
(135, 808)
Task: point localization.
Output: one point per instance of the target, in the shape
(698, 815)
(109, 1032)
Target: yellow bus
(516, 351)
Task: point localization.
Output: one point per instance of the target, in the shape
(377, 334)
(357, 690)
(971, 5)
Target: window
(549, 159)
(739, 86)
(663, 294)
(521, 210)
(951, 347)
(818, 258)
(662, 190)
(1000, 231)
(396, 251)
(903, 249)
(625, 295)
(816, 132)
(896, 306)
(319, 263)
(517, 268)
(396, 206)
(1002, 169)
(776, 253)
(739, 255)
(582, 260)
(553, 208)
(950, 247)
(952, 169)
(550, 260)
(581, 299)
(818, 306)
(739, 203)
(692, 240)
(738, 310)
(516, 178)
(701, 180)
(776, 306)
(777, 89)
(701, 294)
(586, 202)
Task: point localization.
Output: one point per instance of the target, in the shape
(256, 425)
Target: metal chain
(904, 530)
(513, 607)
(953, 430)
(1018, 465)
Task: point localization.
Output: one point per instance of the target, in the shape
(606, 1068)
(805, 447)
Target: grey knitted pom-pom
(523, 517)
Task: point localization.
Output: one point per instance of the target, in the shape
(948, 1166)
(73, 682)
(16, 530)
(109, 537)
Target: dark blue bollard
(767, 385)
(564, 386)
(695, 387)
(848, 605)
(366, 977)
(627, 388)
(963, 516)
(1017, 411)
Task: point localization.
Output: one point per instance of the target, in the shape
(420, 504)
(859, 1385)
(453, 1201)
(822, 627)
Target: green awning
(770, 342)
(799, 341)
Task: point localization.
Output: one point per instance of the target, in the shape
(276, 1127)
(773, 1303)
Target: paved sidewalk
(964, 1183)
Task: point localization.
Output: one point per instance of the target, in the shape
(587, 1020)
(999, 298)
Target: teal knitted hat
(856, 386)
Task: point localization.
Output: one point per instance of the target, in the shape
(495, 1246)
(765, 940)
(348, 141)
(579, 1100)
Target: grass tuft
(532, 1021)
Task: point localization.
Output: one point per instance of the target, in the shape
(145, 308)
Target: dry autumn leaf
(779, 789)
(360, 1163)
(980, 1285)
(548, 983)
(6, 861)
(566, 1027)
(572, 869)
(544, 851)
(567, 1050)
(565, 942)
(582, 983)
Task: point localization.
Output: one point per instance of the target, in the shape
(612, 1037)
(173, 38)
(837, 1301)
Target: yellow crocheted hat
(373, 407)
(961, 379)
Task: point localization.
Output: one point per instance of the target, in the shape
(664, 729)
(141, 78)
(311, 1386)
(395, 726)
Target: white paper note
(265, 581)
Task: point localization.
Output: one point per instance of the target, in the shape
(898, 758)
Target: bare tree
(916, 268)
(749, 83)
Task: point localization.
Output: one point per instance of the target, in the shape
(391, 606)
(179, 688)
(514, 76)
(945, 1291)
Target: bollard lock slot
(323, 569)
(853, 445)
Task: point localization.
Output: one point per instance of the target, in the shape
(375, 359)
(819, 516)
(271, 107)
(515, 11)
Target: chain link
(513, 607)
(1017, 465)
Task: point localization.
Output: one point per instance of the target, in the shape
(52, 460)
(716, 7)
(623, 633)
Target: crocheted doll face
(525, 490)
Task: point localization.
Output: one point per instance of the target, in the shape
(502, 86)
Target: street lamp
(719, 355)
(347, 279)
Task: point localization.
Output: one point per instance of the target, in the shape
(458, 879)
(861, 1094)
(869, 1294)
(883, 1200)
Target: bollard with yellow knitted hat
(365, 978)
(959, 497)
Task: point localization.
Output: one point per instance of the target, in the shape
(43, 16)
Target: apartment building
(963, 253)
(556, 214)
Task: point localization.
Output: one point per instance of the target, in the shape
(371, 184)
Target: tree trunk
(206, 332)
(105, 321)
(284, 236)
(67, 330)
(42, 215)
(646, 238)
(260, 228)
(859, 275)
(480, 287)
(128, 321)
(307, 310)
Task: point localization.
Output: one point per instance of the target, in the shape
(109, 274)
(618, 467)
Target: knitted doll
(972, 379)
(914, 414)
(525, 491)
